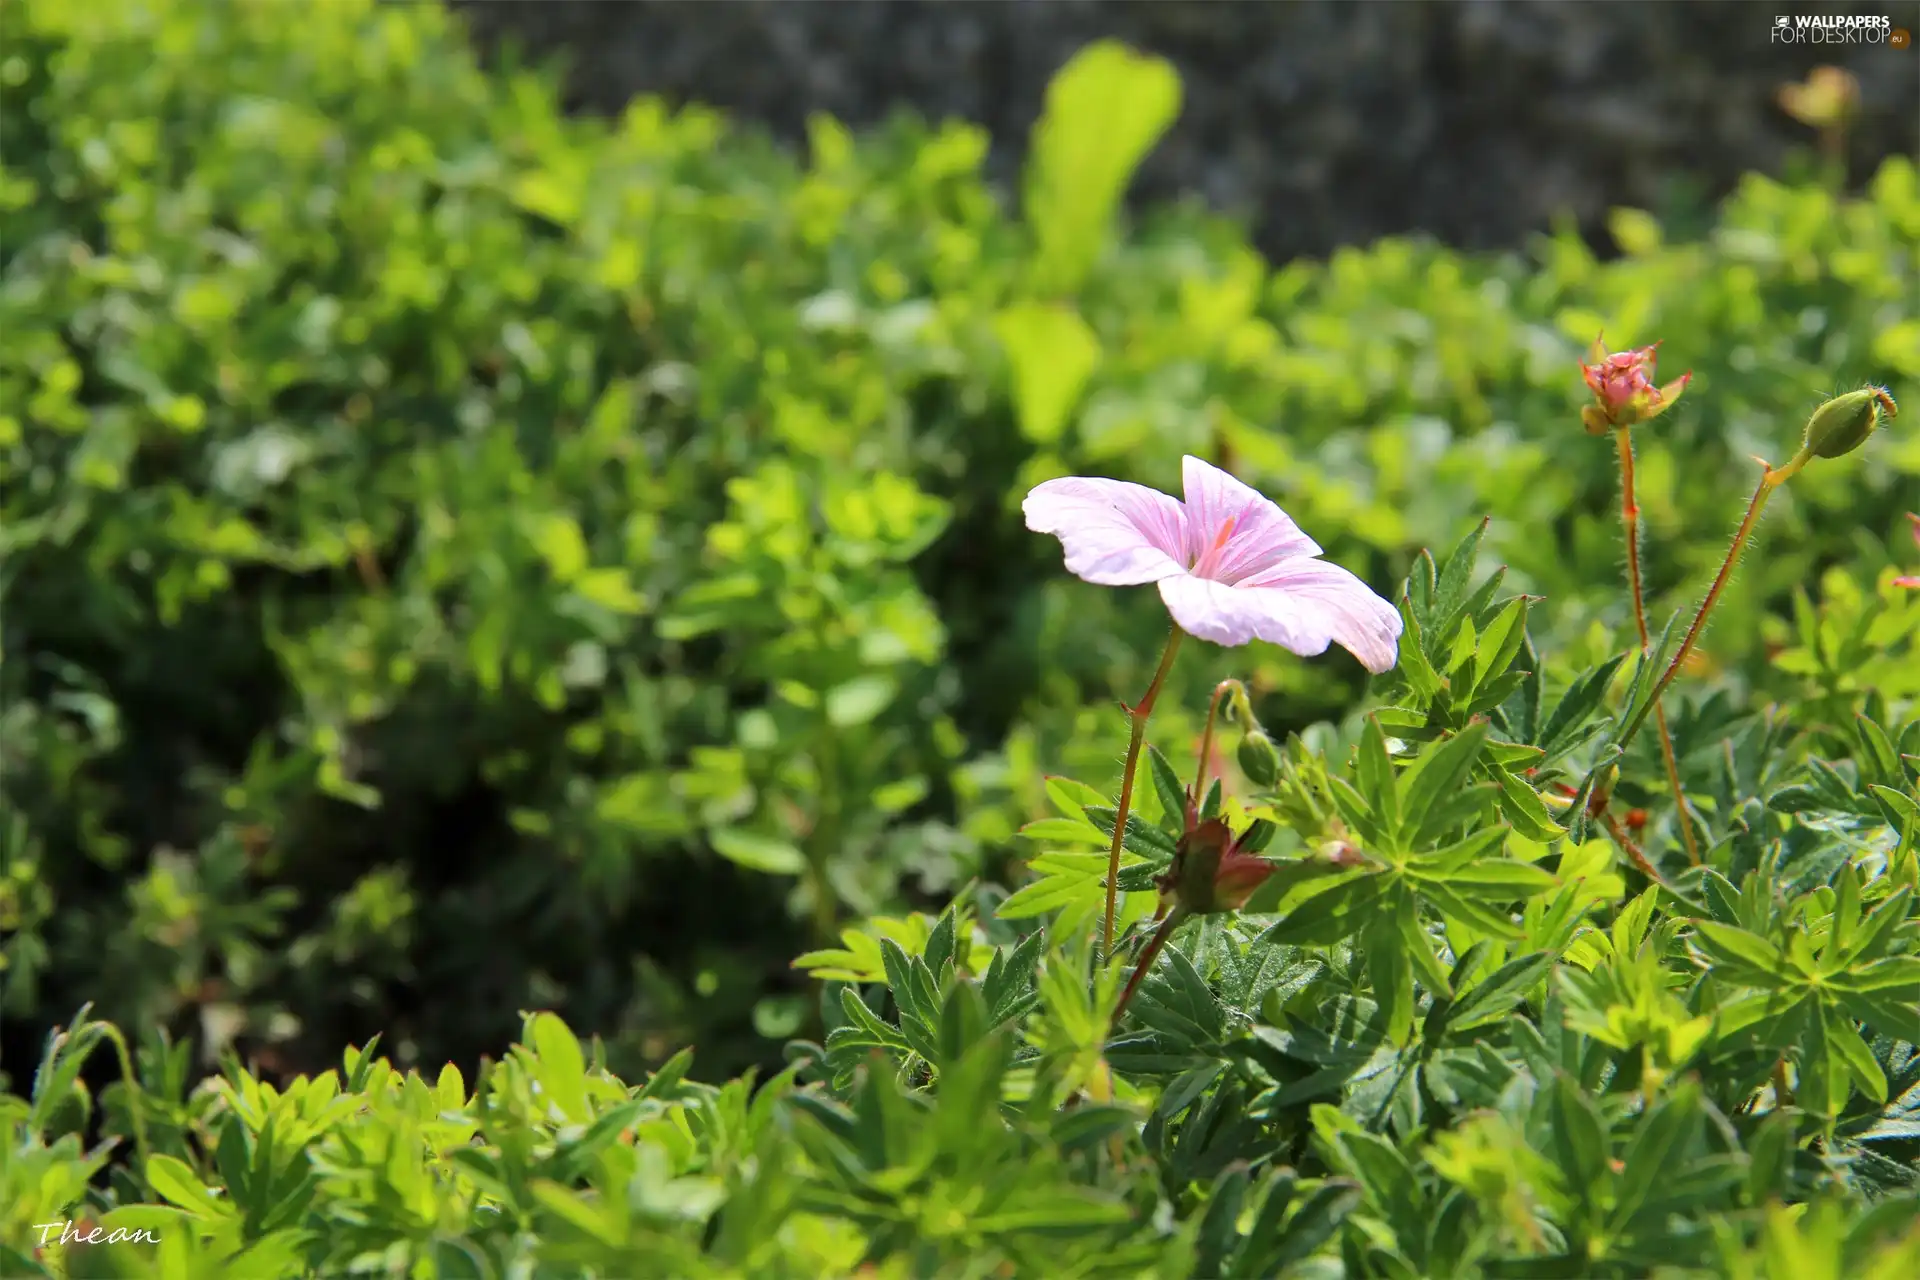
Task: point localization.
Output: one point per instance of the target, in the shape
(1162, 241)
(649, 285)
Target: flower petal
(1301, 604)
(1115, 534)
(1359, 621)
(1263, 535)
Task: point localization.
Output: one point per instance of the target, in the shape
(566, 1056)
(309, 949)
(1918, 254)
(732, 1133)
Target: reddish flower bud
(1623, 390)
(1210, 874)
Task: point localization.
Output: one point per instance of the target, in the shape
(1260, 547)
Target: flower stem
(1220, 692)
(1139, 713)
(1630, 518)
(1771, 480)
(1159, 940)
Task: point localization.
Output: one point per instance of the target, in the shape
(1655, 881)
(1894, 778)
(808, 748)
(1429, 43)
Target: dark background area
(1323, 122)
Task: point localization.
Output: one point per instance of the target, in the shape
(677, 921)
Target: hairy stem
(1220, 692)
(1139, 713)
(1771, 480)
(1159, 940)
(1630, 519)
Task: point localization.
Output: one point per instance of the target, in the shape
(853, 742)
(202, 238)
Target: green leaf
(1436, 778)
(1500, 641)
(1579, 1137)
(1337, 913)
(1468, 911)
(1752, 958)
(1414, 666)
(1073, 884)
(1070, 831)
(561, 544)
(1563, 729)
(1450, 595)
(1053, 353)
(1883, 975)
(1500, 881)
(859, 700)
(173, 1181)
(1142, 836)
(1844, 1043)
(1054, 1209)
(1166, 784)
(1264, 1237)
(1219, 1225)
(665, 1082)
(1648, 666)
(1374, 773)
(1071, 798)
(758, 852)
(589, 1217)
(1663, 1129)
(1296, 881)
(1494, 996)
(1312, 1225)
(1391, 972)
(563, 1068)
(1525, 809)
(1356, 812)
(1878, 749)
(1419, 947)
(1104, 111)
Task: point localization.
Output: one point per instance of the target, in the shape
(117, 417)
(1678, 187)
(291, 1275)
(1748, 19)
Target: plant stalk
(1220, 692)
(1159, 940)
(1139, 713)
(1769, 481)
(1630, 519)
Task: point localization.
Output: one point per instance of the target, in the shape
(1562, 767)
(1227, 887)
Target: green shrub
(457, 560)
(434, 529)
(1445, 1038)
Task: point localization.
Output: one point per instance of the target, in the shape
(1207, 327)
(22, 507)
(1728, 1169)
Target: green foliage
(457, 559)
(1428, 1047)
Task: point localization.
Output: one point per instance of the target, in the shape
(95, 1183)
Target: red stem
(1158, 941)
(1630, 517)
(1139, 715)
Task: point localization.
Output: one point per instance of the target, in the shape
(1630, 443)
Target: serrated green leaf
(1525, 809)
(1435, 778)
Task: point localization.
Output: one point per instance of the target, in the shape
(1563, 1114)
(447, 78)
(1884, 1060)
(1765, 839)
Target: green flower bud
(1259, 758)
(1843, 423)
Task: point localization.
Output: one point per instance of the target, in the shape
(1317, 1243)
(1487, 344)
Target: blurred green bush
(459, 559)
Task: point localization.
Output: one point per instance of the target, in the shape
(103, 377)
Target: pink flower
(1911, 580)
(1231, 566)
(1623, 390)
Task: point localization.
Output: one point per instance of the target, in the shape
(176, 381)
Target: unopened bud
(1343, 853)
(1211, 874)
(1843, 423)
(1259, 758)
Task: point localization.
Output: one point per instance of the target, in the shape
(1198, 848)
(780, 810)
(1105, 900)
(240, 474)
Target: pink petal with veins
(1115, 534)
